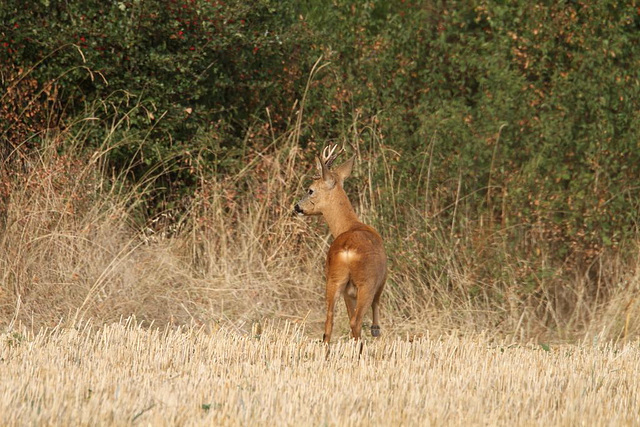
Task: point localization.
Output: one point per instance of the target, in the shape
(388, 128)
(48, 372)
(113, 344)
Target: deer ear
(344, 170)
(326, 176)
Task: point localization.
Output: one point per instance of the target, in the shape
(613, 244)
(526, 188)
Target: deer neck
(341, 216)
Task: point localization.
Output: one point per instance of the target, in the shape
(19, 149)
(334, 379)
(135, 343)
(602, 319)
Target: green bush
(187, 77)
(522, 115)
(528, 110)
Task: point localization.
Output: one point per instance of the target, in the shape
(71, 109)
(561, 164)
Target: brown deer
(356, 266)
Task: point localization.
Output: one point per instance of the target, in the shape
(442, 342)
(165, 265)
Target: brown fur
(356, 266)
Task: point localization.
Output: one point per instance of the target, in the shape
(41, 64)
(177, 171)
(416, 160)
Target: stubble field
(125, 374)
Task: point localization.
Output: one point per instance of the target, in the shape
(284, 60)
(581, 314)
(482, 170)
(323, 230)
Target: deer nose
(297, 209)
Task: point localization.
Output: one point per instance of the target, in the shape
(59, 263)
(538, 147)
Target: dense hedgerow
(505, 132)
(186, 77)
(524, 113)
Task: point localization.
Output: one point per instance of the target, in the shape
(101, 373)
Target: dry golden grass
(75, 245)
(123, 374)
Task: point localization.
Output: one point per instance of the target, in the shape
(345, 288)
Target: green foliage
(513, 116)
(187, 77)
(528, 110)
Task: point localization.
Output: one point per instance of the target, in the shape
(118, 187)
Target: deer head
(327, 188)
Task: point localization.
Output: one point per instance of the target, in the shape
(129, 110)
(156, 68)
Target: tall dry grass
(76, 244)
(124, 374)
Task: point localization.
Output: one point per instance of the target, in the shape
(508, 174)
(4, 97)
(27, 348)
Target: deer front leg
(332, 293)
(328, 324)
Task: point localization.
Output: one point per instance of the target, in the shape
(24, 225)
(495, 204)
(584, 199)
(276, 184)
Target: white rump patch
(348, 255)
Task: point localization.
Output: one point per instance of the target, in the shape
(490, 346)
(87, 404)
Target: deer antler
(329, 154)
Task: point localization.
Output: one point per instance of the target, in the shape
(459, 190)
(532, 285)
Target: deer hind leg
(350, 293)
(363, 302)
(334, 289)
(375, 305)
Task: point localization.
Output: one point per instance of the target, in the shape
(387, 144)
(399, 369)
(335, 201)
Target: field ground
(124, 374)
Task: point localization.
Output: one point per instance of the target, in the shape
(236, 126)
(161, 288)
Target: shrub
(187, 77)
(521, 114)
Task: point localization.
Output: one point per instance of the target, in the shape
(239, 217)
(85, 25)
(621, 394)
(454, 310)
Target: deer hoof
(375, 330)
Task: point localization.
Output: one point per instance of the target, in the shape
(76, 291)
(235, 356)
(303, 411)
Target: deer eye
(310, 192)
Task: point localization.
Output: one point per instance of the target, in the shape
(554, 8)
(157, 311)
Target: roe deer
(356, 266)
